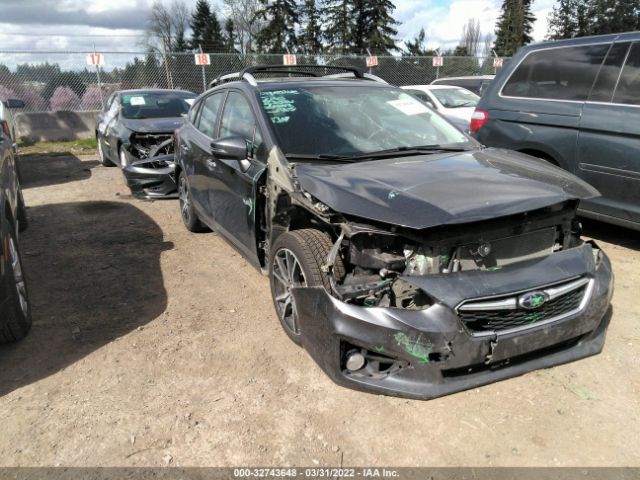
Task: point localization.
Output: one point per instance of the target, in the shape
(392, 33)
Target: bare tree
(471, 36)
(166, 24)
(488, 45)
(245, 21)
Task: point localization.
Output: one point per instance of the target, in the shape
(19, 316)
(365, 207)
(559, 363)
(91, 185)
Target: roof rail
(247, 73)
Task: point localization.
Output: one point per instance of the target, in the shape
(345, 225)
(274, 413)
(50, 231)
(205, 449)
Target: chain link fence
(55, 81)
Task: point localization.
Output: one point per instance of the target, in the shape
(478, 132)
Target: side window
(238, 120)
(629, 84)
(609, 73)
(209, 114)
(191, 116)
(557, 73)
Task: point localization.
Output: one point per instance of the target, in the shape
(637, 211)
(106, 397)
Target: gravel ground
(153, 346)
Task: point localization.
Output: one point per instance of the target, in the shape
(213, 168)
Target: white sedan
(456, 104)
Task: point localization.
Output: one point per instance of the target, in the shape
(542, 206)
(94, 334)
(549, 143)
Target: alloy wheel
(183, 195)
(18, 277)
(287, 274)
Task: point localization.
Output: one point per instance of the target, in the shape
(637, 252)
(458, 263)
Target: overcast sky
(58, 25)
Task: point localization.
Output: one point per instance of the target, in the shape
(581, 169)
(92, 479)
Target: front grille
(486, 321)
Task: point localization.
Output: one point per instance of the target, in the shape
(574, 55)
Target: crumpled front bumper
(432, 353)
(146, 179)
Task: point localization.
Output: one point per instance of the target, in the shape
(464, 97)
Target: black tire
(23, 221)
(187, 212)
(104, 161)
(310, 248)
(17, 323)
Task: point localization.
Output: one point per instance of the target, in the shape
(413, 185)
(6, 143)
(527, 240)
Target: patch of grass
(86, 146)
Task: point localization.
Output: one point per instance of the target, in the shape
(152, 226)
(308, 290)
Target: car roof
(468, 77)
(435, 87)
(269, 83)
(628, 36)
(153, 90)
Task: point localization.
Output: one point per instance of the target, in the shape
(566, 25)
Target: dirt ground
(155, 346)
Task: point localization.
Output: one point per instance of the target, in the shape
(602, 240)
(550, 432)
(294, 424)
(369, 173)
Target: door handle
(211, 164)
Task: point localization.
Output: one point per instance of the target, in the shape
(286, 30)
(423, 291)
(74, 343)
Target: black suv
(406, 258)
(15, 311)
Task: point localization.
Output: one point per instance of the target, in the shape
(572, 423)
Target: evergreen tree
(311, 41)
(613, 16)
(374, 27)
(417, 46)
(569, 19)
(230, 36)
(205, 29)
(577, 18)
(514, 27)
(279, 31)
(339, 23)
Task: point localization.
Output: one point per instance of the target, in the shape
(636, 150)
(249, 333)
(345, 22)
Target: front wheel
(187, 212)
(17, 323)
(296, 261)
(104, 161)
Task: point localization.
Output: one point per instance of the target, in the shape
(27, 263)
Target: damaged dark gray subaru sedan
(406, 258)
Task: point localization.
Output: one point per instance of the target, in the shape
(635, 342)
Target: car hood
(153, 125)
(430, 190)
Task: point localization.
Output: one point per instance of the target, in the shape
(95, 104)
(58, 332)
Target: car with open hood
(406, 258)
(135, 131)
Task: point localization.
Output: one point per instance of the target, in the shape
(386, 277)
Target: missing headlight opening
(380, 265)
(151, 145)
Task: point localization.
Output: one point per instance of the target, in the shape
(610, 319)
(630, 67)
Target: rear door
(232, 192)
(539, 106)
(196, 149)
(609, 139)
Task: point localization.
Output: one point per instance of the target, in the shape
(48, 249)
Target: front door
(232, 191)
(198, 147)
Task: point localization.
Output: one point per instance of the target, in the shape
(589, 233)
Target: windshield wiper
(323, 156)
(393, 152)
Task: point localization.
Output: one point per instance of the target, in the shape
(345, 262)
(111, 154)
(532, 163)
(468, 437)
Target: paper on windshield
(409, 106)
(137, 101)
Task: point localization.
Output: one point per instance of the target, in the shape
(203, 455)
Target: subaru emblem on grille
(532, 300)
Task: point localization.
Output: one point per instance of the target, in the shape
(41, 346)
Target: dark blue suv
(575, 103)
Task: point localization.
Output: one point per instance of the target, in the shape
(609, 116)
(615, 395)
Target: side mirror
(232, 148)
(15, 103)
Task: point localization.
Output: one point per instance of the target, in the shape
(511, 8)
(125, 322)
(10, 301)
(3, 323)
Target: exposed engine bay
(147, 145)
(378, 265)
(150, 172)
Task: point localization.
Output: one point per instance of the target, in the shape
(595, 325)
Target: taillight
(478, 119)
(5, 128)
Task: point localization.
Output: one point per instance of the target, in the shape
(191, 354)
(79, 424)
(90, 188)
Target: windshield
(455, 97)
(353, 120)
(156, 104)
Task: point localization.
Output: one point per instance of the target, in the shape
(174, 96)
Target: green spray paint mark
(379, 348)
(415, 348)
(277, 104)
(249, 203)
(533, 317)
